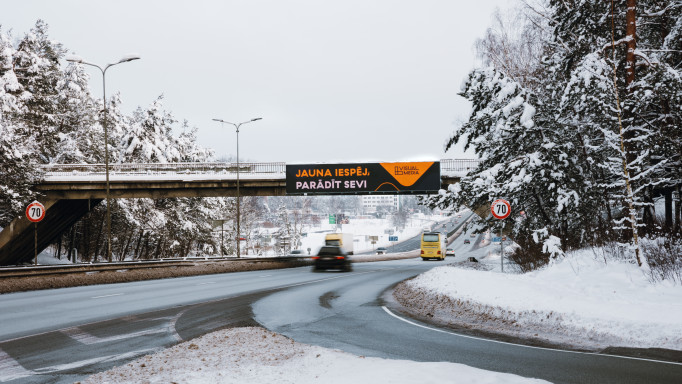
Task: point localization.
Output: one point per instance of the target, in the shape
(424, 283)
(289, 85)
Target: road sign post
(35, 212)
(393, 240)
(501, 209)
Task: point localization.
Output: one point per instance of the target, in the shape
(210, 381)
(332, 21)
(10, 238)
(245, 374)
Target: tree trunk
(136, 254)
(541, 208)
(127, 238)
(72, 236)
(668, 194)
(59, 247)
(631, 41)
(145, 247)
(678, 211)
(99, 235)
(86, 241)
(157, 252)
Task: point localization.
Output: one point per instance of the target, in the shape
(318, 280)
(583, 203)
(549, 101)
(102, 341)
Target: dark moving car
(381, 251)
(332, 257)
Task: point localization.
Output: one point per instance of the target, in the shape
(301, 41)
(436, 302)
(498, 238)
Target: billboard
(362, 179)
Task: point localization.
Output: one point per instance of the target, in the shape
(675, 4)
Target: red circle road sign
(35, 212)
(500, 209)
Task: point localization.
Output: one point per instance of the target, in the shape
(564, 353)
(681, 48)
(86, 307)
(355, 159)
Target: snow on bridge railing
(449, 167)
(163, 168)
(457, 167)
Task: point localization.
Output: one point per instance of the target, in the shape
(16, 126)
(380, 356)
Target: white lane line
(10, 369)
(171, 326)
(89, 339)
(264, 275)
(113, 294)
(208, 282)
(525, 346)
(96, 360)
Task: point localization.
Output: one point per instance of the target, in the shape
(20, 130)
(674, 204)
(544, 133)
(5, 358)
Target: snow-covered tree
(37, 68)
(148, 137)
(16, 172)
(583, 146)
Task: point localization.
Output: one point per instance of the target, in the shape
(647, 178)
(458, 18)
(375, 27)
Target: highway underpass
(71, 190)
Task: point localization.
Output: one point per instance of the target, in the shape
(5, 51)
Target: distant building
(371, 202)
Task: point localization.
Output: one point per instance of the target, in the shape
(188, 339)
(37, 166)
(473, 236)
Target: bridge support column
(16, 240)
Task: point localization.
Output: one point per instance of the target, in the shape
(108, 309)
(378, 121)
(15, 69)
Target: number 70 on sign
(501, 209)
(35, 212)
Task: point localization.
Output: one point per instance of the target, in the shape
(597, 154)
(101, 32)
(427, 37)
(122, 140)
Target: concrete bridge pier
(17, 239)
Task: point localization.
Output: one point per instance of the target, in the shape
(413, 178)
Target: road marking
(522, 345)
(208, 282)
(113, 294)
(96, 360)
(172, 323)
(89, 339)
(10, 369)
(264, 275)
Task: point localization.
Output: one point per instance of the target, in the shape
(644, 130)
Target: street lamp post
(238, 197)
(125, 59)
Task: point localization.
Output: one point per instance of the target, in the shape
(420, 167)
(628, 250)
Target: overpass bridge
(71, 190)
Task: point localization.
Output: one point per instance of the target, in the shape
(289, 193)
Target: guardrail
(46, 270)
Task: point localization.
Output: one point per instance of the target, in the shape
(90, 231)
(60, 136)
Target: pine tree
(17, 172)
(36, 64)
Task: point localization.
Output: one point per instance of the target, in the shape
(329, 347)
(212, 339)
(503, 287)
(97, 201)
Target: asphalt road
(60, 336)
(413, 243)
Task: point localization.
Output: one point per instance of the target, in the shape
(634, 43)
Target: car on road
(296, 252)
(382, 251)
(332, 257)
(473, 235)
(467, 241)
(449, 252)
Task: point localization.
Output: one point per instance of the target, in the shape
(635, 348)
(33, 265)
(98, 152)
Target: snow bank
(580, 299)
(255, 355)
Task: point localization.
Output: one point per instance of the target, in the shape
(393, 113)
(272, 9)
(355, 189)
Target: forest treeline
(577, 118)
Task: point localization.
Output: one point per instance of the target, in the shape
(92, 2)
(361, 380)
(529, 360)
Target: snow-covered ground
(254, 355)
(579, 301)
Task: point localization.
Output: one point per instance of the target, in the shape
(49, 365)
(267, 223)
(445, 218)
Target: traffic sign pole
(35, 212)
(35, 242)
(501, 209)
(501, 248)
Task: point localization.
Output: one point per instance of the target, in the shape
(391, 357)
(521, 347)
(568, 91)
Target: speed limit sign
(35, 211)
(500, 209)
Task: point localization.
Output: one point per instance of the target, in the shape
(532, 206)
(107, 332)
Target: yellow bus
(433, 246)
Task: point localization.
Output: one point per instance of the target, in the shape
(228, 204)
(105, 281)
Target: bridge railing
(457, 166)
(448, 167)
(163, 168)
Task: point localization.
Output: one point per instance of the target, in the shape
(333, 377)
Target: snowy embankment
(579, 302)
(255, 355)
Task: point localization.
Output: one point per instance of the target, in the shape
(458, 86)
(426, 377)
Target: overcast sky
(334, 81)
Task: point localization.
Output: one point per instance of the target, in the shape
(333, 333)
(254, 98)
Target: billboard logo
(406, 170)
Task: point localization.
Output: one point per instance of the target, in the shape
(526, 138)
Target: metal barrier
(43, 270)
